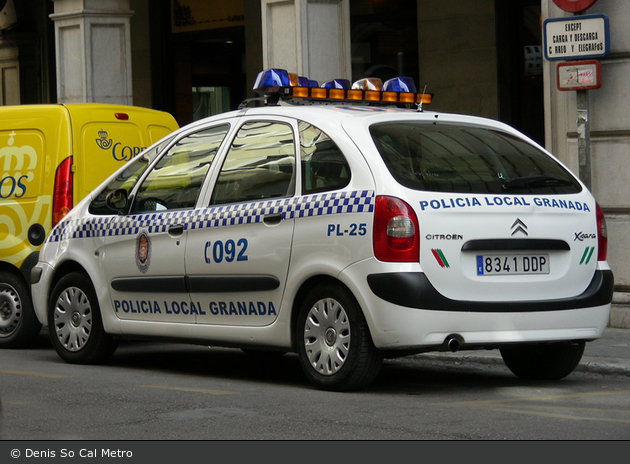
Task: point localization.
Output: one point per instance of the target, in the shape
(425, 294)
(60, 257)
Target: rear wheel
(543, 361)
(19, 326)
(75, 324)
(334, 344)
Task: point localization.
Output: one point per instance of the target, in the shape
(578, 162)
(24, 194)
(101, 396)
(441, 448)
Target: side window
(127, 178)
(175, 181)
(259, 165)
(324, 167)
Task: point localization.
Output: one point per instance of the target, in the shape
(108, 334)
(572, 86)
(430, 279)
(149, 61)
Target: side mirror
(117, 200)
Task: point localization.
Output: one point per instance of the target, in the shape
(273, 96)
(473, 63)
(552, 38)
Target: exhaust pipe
(453, 343)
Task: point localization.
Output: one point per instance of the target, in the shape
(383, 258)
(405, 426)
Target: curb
(604, 367)
(619, 316)
(589, 364)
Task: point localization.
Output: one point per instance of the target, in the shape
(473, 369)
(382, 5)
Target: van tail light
(62, 192)
(395, 233)
(602, 235)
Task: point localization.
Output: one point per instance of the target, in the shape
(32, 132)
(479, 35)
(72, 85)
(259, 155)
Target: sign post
(584, 137)
(581, 76)
(580, 37)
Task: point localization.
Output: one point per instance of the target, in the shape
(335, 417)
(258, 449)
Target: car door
(238, 253)
(145, 249)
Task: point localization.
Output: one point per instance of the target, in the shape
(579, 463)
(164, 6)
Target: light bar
(285, 85)
(271, 80)
(369, 83)
(400, 84)
(337, 84)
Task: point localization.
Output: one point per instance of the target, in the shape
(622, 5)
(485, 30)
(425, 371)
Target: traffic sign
(577, 37)
(574, 6)
(579, 75)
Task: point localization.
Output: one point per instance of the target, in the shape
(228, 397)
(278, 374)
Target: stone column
(308, 37)
(609, 140)
(9, 73)
(93, 48)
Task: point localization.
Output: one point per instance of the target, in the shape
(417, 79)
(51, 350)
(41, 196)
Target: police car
(340, 222)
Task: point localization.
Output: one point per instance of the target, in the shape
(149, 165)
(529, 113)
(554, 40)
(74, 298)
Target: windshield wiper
(535, 181)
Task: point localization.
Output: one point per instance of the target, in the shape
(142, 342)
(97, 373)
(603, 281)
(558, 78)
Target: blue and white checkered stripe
(220, 216)
(334, 203)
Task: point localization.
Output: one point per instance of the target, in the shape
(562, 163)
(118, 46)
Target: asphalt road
(152, 391)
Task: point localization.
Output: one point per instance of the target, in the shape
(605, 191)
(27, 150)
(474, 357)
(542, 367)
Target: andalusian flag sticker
(439, 256)
(586, 256)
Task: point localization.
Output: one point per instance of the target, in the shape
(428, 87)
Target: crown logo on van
(119, 152)
(18, 168)
(103, 142)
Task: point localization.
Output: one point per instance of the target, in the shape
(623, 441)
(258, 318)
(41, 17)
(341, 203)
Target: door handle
(176, 230)
(272, 219)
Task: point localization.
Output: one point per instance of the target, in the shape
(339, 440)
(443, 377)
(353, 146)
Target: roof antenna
(419, 110)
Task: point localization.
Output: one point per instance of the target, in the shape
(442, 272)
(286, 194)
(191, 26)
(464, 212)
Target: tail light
(396, 231)
(602, 235)
(62, 192)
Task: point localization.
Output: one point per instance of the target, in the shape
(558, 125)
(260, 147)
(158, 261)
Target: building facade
(194, 58)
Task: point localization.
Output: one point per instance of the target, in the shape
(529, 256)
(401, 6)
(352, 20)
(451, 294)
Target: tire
(333, 341)
(544, 361)
(75, 324)
(19, 326)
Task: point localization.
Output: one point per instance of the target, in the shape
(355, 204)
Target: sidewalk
(620, 311)
(608, 355)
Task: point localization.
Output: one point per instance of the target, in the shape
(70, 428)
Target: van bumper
(28, 265)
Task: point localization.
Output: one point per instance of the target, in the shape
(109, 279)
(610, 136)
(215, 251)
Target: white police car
(334, 224)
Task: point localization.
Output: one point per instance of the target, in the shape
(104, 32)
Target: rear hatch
(507, 248)
(499, 219)
(106, 136)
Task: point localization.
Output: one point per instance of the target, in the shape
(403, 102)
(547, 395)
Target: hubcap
(327, 336)
(330, 336)
(73, 319)
(76, 319)
(10, 310)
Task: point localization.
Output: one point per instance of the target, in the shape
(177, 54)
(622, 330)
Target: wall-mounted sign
(578, 37)
(579, 75)
(574, 6)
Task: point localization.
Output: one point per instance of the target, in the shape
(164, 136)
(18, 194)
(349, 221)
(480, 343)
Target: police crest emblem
(143, 251)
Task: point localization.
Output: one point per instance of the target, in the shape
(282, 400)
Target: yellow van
(52, 156)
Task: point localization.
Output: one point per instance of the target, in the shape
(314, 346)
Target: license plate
(507, 264)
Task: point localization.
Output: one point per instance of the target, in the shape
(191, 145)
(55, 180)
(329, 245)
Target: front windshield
(468, 159)
(127, 178)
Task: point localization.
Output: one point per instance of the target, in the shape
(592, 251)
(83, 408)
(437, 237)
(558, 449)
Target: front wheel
(552, 361)
(334, 344)
(75, 324)
(19, 326)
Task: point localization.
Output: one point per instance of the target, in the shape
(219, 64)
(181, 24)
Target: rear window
(467, 159)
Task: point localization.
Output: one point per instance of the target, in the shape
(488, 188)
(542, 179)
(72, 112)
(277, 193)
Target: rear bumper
(413, 290)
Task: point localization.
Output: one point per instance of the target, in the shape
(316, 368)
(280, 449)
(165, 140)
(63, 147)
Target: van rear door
(107, 136)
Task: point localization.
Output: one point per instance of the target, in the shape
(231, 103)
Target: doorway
(520, 70)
